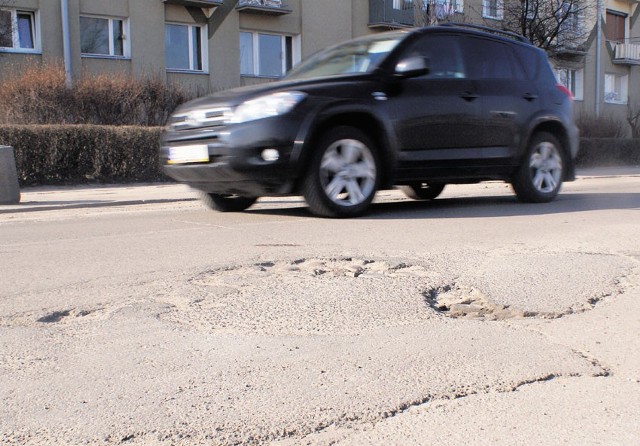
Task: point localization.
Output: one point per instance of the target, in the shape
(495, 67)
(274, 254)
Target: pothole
(350, 295)
(308, 296)
(58, 316)
(470, 303)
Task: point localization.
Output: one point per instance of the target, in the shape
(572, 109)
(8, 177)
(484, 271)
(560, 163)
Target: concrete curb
(44, 207)
(9, 186)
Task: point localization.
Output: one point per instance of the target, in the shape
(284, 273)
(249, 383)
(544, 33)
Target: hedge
(608, 152)
(74, 154)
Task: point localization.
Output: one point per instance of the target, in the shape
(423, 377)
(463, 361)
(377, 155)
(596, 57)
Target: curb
(37, 208)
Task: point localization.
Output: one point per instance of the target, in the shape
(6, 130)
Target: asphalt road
(471, 319)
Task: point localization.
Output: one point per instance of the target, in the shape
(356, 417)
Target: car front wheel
(227, 202)
(343, 174)
(540, 176)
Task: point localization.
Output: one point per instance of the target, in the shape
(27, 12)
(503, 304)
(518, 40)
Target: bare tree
(549, 24)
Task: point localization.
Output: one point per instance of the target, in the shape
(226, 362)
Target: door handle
(530, 97)
(469, 96)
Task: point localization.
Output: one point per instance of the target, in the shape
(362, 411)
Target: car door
(506, 96)
(435, 116)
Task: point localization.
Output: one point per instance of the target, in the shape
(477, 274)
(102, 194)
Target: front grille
(197, 119)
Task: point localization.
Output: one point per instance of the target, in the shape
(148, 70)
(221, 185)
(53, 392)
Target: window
(101, 36)
(402, 4)
(184, 47)
(573, 80)
(18, 30)
(615, 29)
(569, 12)
(268, 55)
(492, 9)
(444, 55)
(616, 88)
(444, 8)
(490, 60)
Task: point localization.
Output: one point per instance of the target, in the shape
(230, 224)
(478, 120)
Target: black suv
(419, 109)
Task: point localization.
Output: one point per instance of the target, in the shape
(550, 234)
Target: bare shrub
(38, 96)
(633, 118)
(601, 127)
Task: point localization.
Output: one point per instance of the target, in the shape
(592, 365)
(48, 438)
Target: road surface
(135, 316)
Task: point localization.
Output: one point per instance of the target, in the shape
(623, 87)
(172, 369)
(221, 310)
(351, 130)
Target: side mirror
(412, 67)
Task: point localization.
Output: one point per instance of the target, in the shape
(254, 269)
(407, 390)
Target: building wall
(325, 23)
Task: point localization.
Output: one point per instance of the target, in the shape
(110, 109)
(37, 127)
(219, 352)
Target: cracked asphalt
(474, 319)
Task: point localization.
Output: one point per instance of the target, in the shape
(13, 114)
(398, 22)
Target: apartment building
(603, 72)
(218, 44)
(211, 44)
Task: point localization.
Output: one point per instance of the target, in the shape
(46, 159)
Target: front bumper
(236, 164)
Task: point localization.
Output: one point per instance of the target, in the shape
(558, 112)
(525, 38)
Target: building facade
(211, 44)
(217, 44)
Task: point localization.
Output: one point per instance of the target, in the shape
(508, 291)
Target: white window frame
(204, 51)
(573, 79)
(126, 47)
(37, 46)
(620, 92)
(486, 9)
(295, 52)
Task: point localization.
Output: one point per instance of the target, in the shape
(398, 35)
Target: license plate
(189, 154)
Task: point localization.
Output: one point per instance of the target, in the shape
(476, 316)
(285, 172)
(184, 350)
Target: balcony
(267, 7)
(569, 50)
(196, 3)
(391, 14)
(627, 52)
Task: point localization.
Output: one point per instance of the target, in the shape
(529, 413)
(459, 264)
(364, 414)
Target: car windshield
(353, 57)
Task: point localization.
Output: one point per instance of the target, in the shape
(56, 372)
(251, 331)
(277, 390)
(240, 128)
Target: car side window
(529, 60)
(442, 54)
(488, 59)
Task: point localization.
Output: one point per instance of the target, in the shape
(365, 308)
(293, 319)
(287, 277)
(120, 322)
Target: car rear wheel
(227, 202)
(343, 174)
(540, 176)
(423, 191)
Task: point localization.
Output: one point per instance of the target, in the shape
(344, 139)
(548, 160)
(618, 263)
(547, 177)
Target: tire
(539, 178)
(227, 202)
(343, 174)
(423, 191)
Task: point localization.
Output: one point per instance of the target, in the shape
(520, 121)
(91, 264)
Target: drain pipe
(598, 56)
(66, 41)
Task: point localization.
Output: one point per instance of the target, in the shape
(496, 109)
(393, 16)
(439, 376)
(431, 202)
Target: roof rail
(488, 29)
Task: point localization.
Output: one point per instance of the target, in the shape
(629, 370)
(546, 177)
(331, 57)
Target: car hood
(235, 96)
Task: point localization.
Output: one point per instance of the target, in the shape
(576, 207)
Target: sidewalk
(44, 198)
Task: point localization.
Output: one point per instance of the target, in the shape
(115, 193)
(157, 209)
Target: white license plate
(189, 154)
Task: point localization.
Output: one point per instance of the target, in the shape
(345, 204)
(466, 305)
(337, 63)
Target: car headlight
(266, 106)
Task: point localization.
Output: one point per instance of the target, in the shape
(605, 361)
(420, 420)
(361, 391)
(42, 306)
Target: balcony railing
(627, 52)
(270, 7)
(391, 14)
(196, 3)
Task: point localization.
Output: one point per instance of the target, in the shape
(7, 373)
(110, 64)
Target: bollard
(9, 187)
